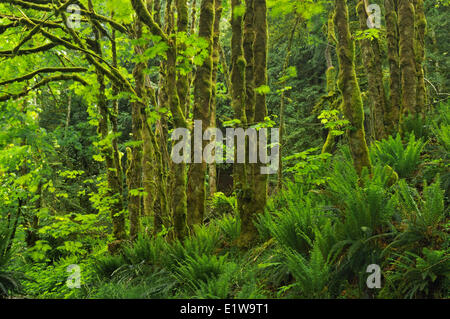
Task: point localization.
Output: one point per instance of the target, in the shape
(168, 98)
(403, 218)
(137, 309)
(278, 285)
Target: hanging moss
(348, 84)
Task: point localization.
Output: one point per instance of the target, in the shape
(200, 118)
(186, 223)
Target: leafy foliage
(403, 159)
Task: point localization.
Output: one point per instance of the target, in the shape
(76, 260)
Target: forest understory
(224, 149)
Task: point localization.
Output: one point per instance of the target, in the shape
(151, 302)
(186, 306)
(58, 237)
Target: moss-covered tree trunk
(287, 59)
(238, 65)
(331, 90)
(248, 43)
(113, 172)
(257, 181)
(406, 18)
(216, 59)
(201, 111)
(114, 182)
(163, 204)
(331, 81)
(249, 55)
(372, 60)
(183, 79)
(179, 197)
(421, 27)
(134, 155)
(348, 84)
(392, 116)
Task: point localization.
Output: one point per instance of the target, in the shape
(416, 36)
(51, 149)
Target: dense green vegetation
(88, 187)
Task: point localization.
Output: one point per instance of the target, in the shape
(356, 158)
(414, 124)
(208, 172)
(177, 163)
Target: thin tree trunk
(216, 60)
(331, 80)
(134, 172)
(282, 104)
(113, 175)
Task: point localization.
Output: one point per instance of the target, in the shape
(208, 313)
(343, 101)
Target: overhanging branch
(43, 70)
(45, 81)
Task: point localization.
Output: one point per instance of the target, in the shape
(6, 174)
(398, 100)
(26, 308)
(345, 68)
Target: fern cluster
(404, 159)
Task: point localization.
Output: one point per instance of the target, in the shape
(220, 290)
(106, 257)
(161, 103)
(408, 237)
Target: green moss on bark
(406, 18)
(371, 53)
(420, 28)
(348, 84)
(394, 106)
(202, 111)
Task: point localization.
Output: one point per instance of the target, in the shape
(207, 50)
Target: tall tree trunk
(177, 195)
(282, 104)
(258, 180)
(113, 174)
(395, 90)
(331, 80)
(407, 59)
(249, 55)
(114, 190)
(134, 156)
(183, 80)
(348, 84)
(202, 112)
(421, 27)
(238, 65)
(372, 61)
(216, 59)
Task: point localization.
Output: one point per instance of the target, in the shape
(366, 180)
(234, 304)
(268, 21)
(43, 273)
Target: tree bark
(216, 61)
(395, 90)
(348, 84)
(372, 61)
(282, 104)
(258, 181)
(406, 18)
(238, 65)
(421, 27)
(202, 111)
